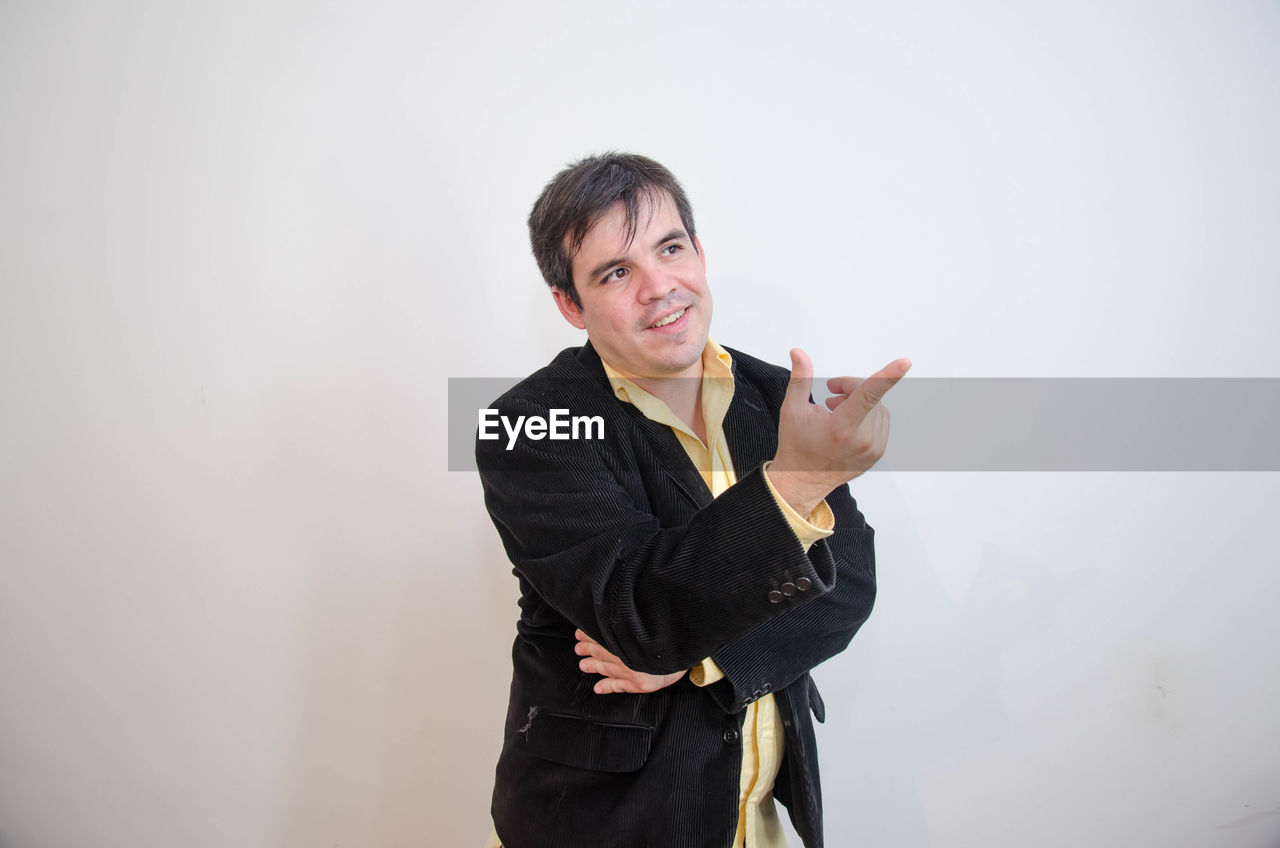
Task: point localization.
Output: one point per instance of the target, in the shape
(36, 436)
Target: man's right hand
(819, 450)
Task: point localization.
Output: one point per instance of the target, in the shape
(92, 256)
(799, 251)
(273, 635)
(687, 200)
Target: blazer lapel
(752, 430)
(670, 457)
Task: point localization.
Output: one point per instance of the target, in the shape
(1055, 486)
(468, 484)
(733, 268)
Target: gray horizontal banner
(1001, 424)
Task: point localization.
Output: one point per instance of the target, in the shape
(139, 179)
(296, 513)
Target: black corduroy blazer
(619, 536)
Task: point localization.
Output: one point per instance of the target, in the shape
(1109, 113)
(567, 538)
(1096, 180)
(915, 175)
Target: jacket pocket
(588, 743)
(815, 702)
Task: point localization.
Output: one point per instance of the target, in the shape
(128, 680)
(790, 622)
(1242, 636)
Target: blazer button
(804, 584)
(730, 736)
(775, 597)
(789, 589)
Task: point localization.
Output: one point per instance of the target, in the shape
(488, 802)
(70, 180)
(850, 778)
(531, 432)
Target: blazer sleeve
(782, 650)
(575, 524)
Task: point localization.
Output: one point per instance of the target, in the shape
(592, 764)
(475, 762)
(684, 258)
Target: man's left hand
(617, 677)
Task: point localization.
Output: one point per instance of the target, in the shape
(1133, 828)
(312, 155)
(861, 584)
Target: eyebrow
(676, 234)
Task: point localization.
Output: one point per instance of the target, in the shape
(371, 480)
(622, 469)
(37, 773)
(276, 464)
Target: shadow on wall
(930, 686)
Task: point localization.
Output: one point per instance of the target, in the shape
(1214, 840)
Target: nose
(655, 283)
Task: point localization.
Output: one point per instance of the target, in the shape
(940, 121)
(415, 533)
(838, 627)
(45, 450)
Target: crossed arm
(617, 677)
(776, 653)
(657, 600)
(816, 450)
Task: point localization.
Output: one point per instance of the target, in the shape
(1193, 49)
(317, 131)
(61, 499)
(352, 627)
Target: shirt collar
(717, 364)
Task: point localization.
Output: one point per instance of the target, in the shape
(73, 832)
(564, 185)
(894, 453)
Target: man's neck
(682, 395)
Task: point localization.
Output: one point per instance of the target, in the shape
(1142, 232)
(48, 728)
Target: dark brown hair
(581, 194)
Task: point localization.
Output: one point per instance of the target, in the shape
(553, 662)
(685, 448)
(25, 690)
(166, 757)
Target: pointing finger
(873, 389)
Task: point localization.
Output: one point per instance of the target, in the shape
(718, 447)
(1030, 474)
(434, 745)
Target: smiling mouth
(670, 319)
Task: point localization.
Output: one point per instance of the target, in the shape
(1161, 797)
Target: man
(682, 573)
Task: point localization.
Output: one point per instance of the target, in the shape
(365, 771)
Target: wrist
(802, 490)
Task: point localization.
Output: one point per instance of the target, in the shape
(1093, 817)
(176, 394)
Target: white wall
(243, 245)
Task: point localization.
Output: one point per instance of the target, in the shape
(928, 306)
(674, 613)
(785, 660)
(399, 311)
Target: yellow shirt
(762, 735)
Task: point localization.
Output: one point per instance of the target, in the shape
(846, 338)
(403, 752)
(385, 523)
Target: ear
(702, 253)
(569, 309)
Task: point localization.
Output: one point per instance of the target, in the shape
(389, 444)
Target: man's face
(629, 289)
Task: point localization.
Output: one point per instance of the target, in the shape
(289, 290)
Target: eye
(615, 274)
(672, 249)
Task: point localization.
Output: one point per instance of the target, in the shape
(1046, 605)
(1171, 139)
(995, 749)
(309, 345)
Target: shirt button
(804, 584)
(789, 589)
(775, 597)
(730, 736)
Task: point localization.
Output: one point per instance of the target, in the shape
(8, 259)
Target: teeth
(674, 316)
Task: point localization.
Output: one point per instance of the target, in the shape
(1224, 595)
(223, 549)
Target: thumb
(801, 385)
